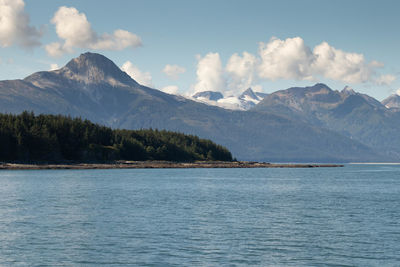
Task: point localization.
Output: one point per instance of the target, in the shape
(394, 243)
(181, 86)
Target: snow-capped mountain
(208, 96)
(244, 101)
(249, 98)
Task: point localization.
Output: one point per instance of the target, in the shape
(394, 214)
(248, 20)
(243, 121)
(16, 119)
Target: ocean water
(201, 217)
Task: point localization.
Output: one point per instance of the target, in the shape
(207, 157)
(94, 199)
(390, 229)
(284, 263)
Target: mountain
(249, 95)
(392, 101)
(249, 99)
(244, 101)
(208, 95)
(357, 116)
(93, 87)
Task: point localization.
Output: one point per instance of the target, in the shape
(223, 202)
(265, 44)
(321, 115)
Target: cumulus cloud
(385, 79)
(171, 89)
(292, 59)
(210, 74)
(398, 92)
(285, 59)
(173, 71)
(14, 25)
(241, 70)
(144, 78)
(54, 66)
(76, 31)
(336, 64)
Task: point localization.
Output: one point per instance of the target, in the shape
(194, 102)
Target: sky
(221, 45)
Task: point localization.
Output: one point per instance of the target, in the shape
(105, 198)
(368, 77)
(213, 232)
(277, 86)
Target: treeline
(55, 137)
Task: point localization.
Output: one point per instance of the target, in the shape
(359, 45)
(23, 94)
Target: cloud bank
(289, 59)
(14, 25)
(73, 28)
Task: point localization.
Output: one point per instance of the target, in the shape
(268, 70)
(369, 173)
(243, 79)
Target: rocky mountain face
(249, 98)
(357, 116)
(392, 101)
(93, 87)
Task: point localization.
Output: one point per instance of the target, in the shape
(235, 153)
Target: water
(201, 217)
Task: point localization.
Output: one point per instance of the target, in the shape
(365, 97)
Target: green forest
(30, 137)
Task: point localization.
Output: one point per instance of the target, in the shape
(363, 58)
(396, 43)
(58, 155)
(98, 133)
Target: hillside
(48, 137)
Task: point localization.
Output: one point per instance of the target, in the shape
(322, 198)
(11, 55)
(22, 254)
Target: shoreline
(156, 165)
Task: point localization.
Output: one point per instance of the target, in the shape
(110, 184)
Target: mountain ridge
(250, 135)
(347, 112)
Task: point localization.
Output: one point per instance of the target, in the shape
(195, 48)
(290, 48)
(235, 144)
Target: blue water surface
(201, 217)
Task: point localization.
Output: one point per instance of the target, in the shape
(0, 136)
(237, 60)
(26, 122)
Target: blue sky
(198, 38)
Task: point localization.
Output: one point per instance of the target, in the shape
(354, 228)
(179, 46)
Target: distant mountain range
(357, 116)
(311, 124)
(247, 100)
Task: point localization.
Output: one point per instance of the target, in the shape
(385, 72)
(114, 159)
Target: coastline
(156, 165)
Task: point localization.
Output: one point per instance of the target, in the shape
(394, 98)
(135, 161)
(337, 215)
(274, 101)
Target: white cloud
(285, 59)
(171, 89)
(242, 71)
(56, 49)
(257, 88)
(76, 31)
(292, 59)
(54, 66)
(338, 65)
(289, 59)
(385, 79)
(398, 91)
(173, 71)
(144, 78)
(209, 73)
(14, 25)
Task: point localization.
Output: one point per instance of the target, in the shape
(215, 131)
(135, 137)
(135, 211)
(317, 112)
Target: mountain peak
(250, 94)
(392, 101)
(89, 60)
(95, 68)
(320, 85)
(347, 90)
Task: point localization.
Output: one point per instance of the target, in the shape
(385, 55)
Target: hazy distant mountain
(355, 115)
(93, 87)
(392, 101)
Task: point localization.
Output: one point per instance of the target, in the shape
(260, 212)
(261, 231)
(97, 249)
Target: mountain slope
(355, 115)
(93, 87)
(392, 101)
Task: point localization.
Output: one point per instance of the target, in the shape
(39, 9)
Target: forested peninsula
(55, 138)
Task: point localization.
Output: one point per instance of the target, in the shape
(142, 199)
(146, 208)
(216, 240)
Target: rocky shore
(155, 165)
